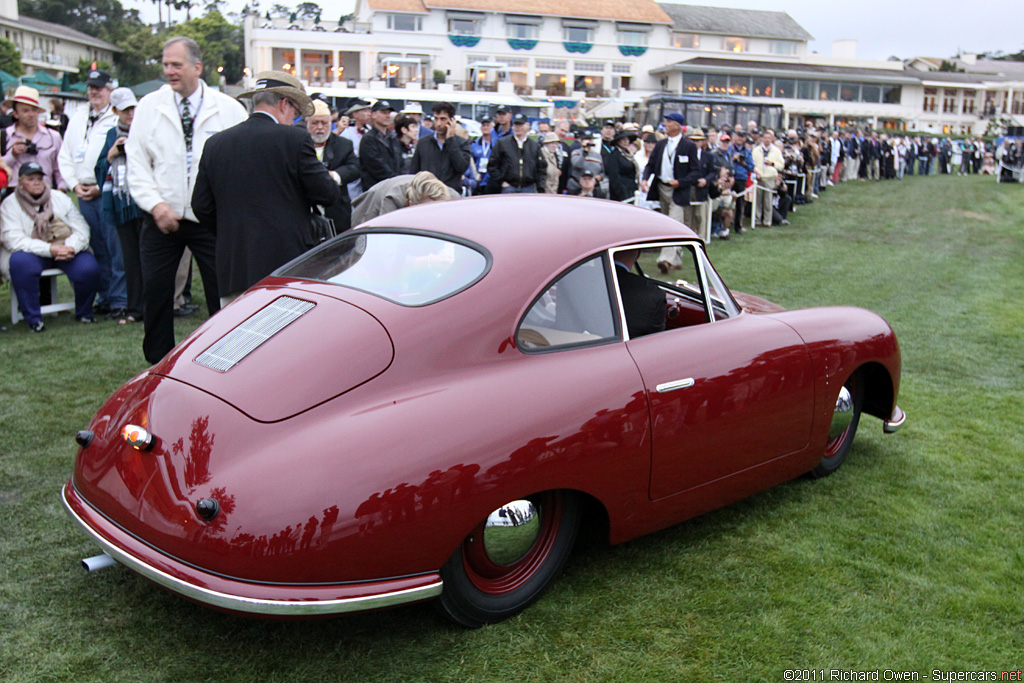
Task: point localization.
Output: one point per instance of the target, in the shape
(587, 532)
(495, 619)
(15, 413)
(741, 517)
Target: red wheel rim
(497, 579)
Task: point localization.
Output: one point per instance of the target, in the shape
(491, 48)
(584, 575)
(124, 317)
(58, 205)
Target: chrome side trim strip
(672, 386)
(254, 605)
(895, 421)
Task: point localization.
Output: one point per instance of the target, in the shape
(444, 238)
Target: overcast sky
(882, 28)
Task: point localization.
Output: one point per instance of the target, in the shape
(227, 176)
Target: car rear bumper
(895, 421)
(272, 600)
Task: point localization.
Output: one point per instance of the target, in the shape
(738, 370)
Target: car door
(727, 390)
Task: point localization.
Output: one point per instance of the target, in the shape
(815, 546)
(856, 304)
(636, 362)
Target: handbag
(321, 228)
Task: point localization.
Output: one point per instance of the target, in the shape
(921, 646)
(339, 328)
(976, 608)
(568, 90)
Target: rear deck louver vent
(247, 337)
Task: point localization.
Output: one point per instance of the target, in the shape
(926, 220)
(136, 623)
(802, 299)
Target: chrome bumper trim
(254, 605)
(896, 421)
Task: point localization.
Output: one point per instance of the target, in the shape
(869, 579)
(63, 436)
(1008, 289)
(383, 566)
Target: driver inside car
(642, 299)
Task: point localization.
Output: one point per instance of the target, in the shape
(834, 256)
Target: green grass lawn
(909, 558)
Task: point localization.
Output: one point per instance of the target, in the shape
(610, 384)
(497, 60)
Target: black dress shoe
(185, 311)
(101, 309)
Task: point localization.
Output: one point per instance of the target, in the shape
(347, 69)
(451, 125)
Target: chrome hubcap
(842, 416)
(510, 531)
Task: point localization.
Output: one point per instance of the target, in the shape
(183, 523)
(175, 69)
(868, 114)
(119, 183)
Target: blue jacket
(741, 169)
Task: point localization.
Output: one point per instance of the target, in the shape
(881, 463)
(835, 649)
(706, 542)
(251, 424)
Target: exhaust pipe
(101, 561)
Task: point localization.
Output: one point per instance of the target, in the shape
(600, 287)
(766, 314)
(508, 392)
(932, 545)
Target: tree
(308, 10)
(278, 10)
(949, 67)
(10, 58)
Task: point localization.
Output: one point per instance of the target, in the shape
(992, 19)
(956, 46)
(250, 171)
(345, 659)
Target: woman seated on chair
(40, 230)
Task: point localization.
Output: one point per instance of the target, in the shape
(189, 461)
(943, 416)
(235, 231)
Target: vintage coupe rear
(430, 406)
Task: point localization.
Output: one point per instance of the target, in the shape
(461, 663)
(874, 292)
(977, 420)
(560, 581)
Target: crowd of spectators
(128, 243)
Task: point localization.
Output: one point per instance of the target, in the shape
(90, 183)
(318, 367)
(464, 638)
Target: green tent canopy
(41, 77)
(7, 81)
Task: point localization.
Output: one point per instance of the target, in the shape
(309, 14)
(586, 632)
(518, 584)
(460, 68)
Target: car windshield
(408, 268)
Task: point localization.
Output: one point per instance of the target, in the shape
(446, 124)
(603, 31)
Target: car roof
(555, 228)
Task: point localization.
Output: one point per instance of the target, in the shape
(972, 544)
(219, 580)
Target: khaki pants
(763, 209)
(669, 207)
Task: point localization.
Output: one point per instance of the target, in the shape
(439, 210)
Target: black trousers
(129, 234)
(160, 254)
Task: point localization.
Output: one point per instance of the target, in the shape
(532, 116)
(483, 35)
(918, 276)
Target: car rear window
(411, 269)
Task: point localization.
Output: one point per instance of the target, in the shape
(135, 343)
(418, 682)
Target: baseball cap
(520, 118)
(123, 98)
(677, 117)
(382, 105)
(99, 78)
(30, 168)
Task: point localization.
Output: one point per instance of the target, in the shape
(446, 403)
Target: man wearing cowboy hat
(28, 141)
(258, 182)
(168, 134)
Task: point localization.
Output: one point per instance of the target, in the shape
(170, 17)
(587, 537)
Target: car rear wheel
(845, 418)
(510, 558)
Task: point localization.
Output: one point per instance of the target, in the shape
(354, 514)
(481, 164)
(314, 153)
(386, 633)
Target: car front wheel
(510, 558)
(845, 418)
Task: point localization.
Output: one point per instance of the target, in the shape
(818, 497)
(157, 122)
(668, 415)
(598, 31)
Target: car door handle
(672, 386)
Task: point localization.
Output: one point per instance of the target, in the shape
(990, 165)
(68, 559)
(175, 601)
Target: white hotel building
(604, 56)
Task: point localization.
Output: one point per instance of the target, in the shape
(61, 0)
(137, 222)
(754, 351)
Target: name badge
(80, 154)
(683, 158)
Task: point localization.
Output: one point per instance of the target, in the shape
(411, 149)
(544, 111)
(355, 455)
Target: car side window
(681, 267)
(576, 310)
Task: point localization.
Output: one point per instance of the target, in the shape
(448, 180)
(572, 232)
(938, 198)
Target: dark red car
(431, 405)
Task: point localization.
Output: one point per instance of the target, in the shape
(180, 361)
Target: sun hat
(284, 84)
(26, 95)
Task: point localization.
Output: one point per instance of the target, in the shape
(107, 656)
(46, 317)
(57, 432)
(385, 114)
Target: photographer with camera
(26, 140)
(118, 207)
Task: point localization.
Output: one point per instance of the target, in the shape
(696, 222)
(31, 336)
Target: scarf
(38, 207)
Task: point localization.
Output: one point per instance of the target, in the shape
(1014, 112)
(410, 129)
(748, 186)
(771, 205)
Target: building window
(622, 69)
(762, 87)
(828, 92)
(870, 93)
(784, 47)
(633, 38)
(578, 34)
(807, 90)
(588, 67)
(718, 85)
(464, 27)
(948, 101)
(929, 99)
(849, 92)
(521, 31)
(690, 41)
(739, 85)
(785, 87)
(405, 22)
(892, 94)
(693, 84)
(735, 44)
(969, 96)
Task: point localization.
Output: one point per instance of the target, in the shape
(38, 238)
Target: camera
(31, 148)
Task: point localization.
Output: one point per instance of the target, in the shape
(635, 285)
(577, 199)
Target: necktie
(186, 124)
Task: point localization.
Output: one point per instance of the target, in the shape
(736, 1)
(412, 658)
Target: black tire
(839, 445)
(478, 592)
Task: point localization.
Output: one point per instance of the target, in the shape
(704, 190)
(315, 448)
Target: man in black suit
(339, 158)
(672, 171)
(442, 152)
(642, 300)
(257, 183)
(380, 155)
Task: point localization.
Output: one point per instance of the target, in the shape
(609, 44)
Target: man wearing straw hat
(168, 134)
(258, 182)
(28, 141)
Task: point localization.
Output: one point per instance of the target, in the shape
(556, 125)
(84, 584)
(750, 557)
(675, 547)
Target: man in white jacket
(170, 128)
(83, 141)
